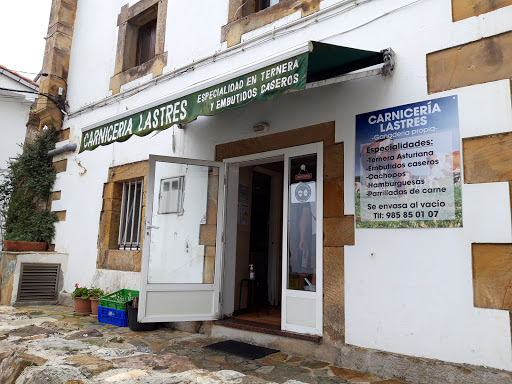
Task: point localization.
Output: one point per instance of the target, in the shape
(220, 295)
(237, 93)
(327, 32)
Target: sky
(22, 28)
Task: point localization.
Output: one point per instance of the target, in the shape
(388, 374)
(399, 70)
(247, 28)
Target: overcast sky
(23, 25)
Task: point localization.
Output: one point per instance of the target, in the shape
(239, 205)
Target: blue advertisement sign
(408, 166)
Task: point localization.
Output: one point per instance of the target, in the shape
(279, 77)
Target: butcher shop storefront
(242, 235)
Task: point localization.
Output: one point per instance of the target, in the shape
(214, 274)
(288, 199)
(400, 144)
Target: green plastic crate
(118, 300)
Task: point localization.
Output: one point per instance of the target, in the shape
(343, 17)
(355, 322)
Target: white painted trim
(318, 295)
(18, 79)
(167, 319)
(283, 155)
(179, 287)
(303, 330)
(230, 230)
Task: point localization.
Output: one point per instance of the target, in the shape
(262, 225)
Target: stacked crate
(112, 308)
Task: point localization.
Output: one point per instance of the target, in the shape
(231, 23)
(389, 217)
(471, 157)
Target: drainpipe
(63, 149)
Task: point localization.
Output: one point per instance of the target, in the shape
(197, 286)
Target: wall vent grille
(38, 282)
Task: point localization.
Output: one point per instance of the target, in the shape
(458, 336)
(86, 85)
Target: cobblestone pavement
(48, 345)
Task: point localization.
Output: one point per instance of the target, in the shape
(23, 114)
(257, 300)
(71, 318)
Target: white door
(183, 242)
(302, 304)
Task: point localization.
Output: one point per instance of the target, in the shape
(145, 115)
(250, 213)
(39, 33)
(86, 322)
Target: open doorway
(258, 275)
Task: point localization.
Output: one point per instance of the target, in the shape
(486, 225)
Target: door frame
(275, 221)
(228, 289)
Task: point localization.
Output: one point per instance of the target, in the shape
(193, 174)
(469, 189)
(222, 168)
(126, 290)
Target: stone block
(129, 171)
(64, 135)
(13, 365)
(315, 133)
(63, 12)
(93, 364)
(109, 229)
(112, 205)
(333, 197)
(339, 231)
(237, 26)
(488, 158)
(477, 62)
(213, 193)
(65, 299)
(207, 234)
(56, 195)
(61, 165)
(492, 276)
(154, 66)
(334, 294)
(209, 265)
(164, 362)
(334, 161)
(353, 376)
(462, 9)
(121, 260)
(61, 215)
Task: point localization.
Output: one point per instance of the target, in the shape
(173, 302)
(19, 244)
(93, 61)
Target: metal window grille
(131, 215)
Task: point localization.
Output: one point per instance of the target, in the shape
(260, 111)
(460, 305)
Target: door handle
(149, 226)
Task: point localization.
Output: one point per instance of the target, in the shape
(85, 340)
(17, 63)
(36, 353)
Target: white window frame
(181, 194)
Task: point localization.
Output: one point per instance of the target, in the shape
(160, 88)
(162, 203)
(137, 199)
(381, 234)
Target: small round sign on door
(303, 192)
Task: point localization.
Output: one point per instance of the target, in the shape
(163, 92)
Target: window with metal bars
(131, 215)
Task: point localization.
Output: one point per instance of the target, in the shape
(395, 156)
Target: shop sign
(262, 84)
(408, 166)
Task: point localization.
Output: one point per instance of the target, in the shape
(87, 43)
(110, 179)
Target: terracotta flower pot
(24, 246)
(82, 306)
(94, 306)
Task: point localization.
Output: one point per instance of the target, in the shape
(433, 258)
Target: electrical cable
(56, 102)
(251, 43)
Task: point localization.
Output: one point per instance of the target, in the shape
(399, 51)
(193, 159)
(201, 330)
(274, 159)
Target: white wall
(415, 295)
(14, 111)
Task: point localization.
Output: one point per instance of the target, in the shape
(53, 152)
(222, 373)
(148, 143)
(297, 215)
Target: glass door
(183, 240)
(302, 240)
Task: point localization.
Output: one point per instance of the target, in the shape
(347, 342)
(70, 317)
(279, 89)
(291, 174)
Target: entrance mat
(247, 351)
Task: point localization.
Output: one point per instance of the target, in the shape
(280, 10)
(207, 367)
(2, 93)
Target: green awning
(327, 60)
(263, 80)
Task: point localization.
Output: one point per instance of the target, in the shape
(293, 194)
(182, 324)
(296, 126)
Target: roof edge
(18, 78)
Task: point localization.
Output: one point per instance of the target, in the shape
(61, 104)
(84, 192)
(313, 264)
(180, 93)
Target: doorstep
(269, 329)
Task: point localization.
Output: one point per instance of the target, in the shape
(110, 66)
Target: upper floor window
(247, 15)
(262, 4)
(146, 42)
(140, 42)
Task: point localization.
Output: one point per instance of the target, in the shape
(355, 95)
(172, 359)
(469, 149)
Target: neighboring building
(265, 139)
(17, 95)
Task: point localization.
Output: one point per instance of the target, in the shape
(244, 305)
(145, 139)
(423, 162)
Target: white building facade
(16, 97)
(182, 226)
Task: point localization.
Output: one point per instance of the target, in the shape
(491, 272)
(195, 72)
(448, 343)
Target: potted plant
(24, 196)
(94, 295)
(81, 300)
